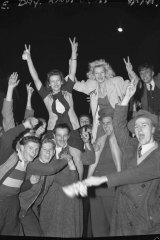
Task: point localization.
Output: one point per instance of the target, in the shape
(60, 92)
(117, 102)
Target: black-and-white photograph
(80, 118)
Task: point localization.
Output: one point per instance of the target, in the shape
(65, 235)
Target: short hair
(63, 126)
(100, 63)
(26, 139)
(145, 66)
(85, 115)
(48, 140)
(54, 72)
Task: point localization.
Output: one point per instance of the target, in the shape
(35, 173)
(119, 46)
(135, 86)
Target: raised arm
(120, 118)
(39, 168)
(132, 75)
(29, 112)
(7, 109)
(27, 56)
(73, 59)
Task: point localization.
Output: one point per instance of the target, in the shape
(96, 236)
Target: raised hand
(75, 189)
(13, 80)
(26, 53)
(30, 90)
(128, 64)
(34, 179)
(131, 89)
(30, 122)
(74, 46)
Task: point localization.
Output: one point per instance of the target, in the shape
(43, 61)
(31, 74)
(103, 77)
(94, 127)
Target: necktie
(139, 151)
(150, 87)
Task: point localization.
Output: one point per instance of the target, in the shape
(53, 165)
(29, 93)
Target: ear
(153, 129)
(152, 73)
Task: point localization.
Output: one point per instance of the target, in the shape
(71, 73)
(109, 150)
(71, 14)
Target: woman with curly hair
(57, 93)
(105, 89)
(57, 97)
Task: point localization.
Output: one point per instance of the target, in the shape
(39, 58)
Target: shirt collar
(152, 84)
(147, 147)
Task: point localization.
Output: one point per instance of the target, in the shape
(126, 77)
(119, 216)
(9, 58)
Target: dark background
(48, 27)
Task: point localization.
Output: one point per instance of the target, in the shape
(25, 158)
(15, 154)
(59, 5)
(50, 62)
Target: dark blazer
(137, 206)
(144, 99)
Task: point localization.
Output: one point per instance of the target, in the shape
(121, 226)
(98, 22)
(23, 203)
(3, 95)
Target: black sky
(48, 27)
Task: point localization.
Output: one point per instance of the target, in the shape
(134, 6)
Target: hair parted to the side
(53, 72)
(26, 139)
(63, 126)
(100, 63)
(146, 66)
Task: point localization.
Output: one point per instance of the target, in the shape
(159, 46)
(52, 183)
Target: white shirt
(58, 150)
(152, 85)
(145, 148)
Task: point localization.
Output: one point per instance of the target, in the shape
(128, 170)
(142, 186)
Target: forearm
(91, 169)
(139, 174)
(132, 75)
(7, 114)
(34, 73)
(29, 105)
(28, 113)
(9, 94)
(73, 68)
(46, 169)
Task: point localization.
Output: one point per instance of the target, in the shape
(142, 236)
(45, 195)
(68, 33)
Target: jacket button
(143, 185)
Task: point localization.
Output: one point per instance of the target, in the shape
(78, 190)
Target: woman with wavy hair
(57, 97)
(105, 89)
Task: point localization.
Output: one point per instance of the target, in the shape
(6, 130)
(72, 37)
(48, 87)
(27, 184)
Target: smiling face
(61, 137)
(55, 83)
(47, 152)
(144, 130)
(100, 74)
(30, 151)
(84, 120)
(146, 75)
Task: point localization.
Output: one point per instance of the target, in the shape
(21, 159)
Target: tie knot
(139, 151)
(150, 87)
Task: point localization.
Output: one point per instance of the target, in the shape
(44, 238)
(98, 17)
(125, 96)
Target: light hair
(100, 63)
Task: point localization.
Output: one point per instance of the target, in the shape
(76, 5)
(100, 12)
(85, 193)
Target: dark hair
(147, 66)
(25, 140)
(85, 115)
(86, 128)
(63, 126)
(52, 73)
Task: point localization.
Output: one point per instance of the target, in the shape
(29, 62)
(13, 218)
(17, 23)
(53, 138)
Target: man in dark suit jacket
(150, 95)
(137, 206)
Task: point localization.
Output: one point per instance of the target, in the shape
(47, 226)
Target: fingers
(18, 82)
(27, 49)
(70, 41)
(73, 42)
(124, 61)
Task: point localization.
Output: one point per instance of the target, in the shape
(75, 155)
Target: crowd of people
(69, 176)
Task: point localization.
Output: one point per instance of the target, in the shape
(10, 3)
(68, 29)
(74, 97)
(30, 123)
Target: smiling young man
(13, 173)
(136, 207)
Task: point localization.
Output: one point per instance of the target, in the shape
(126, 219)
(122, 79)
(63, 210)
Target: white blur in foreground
(75, 189)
